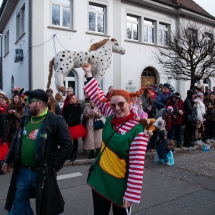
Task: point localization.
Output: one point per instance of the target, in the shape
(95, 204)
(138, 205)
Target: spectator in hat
(190, 117)
(158, 137)
(36, 158)
(162, 98)
(4, 101)
(177, 118)
(153, 94)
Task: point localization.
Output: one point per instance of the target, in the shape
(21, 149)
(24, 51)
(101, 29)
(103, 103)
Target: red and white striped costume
(137, 148)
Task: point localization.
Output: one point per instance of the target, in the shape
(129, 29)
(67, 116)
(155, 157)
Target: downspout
(30, 43)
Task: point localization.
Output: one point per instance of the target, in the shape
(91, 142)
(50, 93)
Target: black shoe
(73, 157)
(191, 144)
(91, 155)
(179, 146)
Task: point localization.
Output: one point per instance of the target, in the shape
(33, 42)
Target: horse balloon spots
(99, 56)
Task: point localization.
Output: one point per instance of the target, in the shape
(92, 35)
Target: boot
(97, 152)
(1, 172)
(73, 156)
(91, 155)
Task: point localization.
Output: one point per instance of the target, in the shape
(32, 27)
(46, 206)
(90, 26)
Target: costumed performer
(118, 176)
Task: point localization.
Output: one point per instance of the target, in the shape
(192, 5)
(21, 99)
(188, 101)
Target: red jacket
(180, 105)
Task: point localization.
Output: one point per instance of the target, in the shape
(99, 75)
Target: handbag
(90, 170)
(192, 117)
(98, 124)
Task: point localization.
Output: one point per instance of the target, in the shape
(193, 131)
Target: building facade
(43, 28)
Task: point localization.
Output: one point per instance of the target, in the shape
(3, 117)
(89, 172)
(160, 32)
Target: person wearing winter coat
(148, 103)
(200, 108)
(177, 118)
(4, 128)
(165, 153)
(210, 118)
(36, 159)
(72, 114)
(93, 139)
(190, 117)
(162, 98)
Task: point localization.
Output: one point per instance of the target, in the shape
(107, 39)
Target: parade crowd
(155, 118)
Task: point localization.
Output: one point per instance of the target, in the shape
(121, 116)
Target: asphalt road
(187, 188)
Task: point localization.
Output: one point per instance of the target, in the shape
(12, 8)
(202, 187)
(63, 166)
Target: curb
(148, 155)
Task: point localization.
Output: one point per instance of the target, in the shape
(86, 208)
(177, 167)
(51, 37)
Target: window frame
(138, 22)
(20, 22)
(6, 42)
(62, 5)
(163, 29)
(149, 26)
(104, 13)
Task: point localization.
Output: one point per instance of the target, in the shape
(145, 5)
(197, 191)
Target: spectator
(94, 137)
(166, 114)
(148, 103)
(214, 89)
(208, 91)
(15, 111)
(200, 108)
(4, 101)
(162, 98)
(110, 89)
(72, 114)
(52, 106)
(36, 159)
(177, 118)
(210, 118)
(156, 88)
(138, 109)
(190, 117)
(153, 94)
(159, 135)
(3, 138)
(69, 93)
(165, 153)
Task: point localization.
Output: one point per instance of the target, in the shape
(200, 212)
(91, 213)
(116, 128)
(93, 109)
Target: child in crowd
(159, 135)
(165, 152)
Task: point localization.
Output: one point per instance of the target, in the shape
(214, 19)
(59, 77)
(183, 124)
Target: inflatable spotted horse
(99, 56)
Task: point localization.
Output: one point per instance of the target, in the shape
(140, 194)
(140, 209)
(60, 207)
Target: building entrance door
(148, 75)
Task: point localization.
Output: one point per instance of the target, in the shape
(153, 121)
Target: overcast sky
(208, 5)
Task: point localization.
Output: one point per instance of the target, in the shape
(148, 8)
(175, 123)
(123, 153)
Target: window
(97, 18)
(132, 27)
(61, 13)
(149, 31)
(192, 36)
(20, 22)
(163, 34)
(6, 43)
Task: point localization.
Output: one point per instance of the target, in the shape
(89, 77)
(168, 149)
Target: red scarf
(119, 121)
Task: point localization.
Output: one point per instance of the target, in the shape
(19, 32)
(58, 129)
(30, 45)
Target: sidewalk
(83, 159)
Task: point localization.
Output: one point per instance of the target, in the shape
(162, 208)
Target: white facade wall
(19, 71)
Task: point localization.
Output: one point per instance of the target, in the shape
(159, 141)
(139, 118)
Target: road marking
(72, 175)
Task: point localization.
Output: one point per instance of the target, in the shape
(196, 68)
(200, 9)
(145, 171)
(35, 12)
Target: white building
(138, 25)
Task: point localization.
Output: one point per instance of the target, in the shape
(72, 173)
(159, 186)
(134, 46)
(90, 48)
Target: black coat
(4, 127)
(189, 108)
(53, 133)
(72, 114)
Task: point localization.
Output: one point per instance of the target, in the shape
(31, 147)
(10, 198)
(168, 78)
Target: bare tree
(190, 54)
